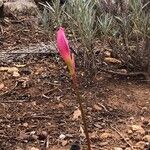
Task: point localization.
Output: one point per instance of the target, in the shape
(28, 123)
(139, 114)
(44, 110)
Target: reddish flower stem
(79, 100)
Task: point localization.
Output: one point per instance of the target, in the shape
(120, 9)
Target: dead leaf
(82, 131)
(97, 108)
(105, 135)
(76, 114)
(64, 142)
(112, 60)
(16, 74)
(20, 66)
(93, 135)
(2, 86)
(60, 106)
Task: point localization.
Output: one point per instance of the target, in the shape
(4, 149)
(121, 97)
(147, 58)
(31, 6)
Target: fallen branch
(123, 73)
(41, 48)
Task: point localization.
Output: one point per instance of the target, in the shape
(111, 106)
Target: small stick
(122, 137)
(79, 100)
(103, 106)
(37, 117)
(15, 101)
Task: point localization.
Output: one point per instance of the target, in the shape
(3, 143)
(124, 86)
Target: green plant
(105, 24)
(81, 21)
(83, 17)
(53, 14)
(132, 47)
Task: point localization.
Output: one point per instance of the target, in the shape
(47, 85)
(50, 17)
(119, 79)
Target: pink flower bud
(64, 50)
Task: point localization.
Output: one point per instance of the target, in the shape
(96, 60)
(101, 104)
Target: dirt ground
(38, 108)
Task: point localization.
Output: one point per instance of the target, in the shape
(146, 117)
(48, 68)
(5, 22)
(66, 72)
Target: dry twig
(116, 130)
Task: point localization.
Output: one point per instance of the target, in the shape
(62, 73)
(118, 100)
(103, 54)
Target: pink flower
(64, 50)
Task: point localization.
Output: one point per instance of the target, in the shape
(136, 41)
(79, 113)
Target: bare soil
(38, 108)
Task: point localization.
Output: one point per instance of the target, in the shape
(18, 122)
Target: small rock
(118, 148)
(146, 138)
(25, 71)
(62, 137)
(25, 124)
(140, 145)
(75, 146)
(138, 128)
(32, 132)
(146, 122)
(129, 132)
(33, 137)
(42, 135)
(105, 135)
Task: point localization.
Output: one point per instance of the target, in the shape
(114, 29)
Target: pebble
(146, 122)
(43, 135)
(62, 137)
(32, 137)
(129, 131)
(25, 124)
